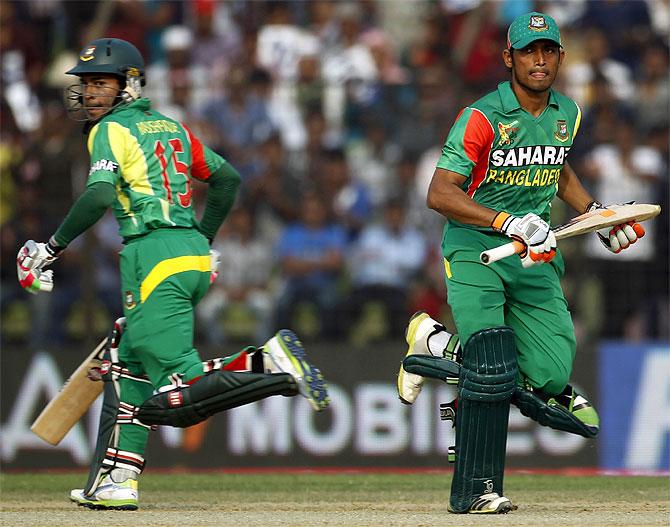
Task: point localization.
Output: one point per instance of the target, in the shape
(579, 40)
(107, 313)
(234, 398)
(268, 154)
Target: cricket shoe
(109, 495)
(424, 333)
(578, 406)
(284, 353)
(491, 503)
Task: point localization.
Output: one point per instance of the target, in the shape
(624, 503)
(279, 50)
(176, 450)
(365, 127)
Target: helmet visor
(89, 102)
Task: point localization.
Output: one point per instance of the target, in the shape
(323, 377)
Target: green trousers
(530, 301)
(164, 274)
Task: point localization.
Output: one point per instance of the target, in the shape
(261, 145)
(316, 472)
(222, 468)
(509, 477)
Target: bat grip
(498, 253)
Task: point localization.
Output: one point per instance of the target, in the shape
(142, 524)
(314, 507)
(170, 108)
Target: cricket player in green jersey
(502, 164)
(142, 163)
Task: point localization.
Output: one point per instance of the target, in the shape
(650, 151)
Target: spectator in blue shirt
(311, 255)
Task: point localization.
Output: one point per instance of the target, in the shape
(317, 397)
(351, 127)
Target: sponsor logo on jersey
(529, 155)
(104, 164)
(507, 133)
(524, 177)
(538, 23)
(561, 132)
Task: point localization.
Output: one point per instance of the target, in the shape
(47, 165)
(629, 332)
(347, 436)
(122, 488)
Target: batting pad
(553, 416)
(214, 392)
(486, 383)
(432, 367)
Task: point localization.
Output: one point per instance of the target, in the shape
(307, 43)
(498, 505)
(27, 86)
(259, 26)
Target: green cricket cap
(531, 27)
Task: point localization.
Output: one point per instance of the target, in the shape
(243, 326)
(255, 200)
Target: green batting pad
(486, 383)
(432, 367)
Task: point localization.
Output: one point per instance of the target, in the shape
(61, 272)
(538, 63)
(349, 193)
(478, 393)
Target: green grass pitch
(342, 499)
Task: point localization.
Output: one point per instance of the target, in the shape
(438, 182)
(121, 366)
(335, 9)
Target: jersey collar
(509, 101)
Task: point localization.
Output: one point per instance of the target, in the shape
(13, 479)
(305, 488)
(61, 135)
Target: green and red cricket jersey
(511, 160)
(150, 159)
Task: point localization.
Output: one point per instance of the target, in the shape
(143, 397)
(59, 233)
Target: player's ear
(507, 58)
(561, 56)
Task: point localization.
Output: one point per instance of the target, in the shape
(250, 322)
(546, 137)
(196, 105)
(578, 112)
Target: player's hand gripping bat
(588, 222)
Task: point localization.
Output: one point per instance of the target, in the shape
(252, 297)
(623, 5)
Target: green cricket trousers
(530, 301)
(164, 274)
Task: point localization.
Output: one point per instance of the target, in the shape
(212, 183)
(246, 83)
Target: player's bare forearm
(446, 197)
(571, 190)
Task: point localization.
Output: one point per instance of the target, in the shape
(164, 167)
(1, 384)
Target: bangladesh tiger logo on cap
(538, 23)
(88, 54)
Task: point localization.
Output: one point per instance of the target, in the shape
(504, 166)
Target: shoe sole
(101, 506)
(410, 334)
(503, 508)
(312, 385)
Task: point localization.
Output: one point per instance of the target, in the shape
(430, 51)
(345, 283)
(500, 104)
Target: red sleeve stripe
(478, 132)
(199, 168)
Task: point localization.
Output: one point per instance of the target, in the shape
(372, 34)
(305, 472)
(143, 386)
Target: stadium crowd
(334, 113)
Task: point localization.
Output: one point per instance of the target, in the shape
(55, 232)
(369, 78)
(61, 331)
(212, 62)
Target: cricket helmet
(107, 56)
(111, 56)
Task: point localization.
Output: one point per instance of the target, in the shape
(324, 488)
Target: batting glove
(533, 232)
(618, 237)
(30, 261)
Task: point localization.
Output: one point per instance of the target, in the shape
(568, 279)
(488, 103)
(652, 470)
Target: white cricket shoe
(419, 328)
(109, 495)
(491, 503)
(284, 353)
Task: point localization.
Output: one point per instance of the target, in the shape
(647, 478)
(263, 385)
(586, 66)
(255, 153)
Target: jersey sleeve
(205, 162)
(469, 138)
(106, 147)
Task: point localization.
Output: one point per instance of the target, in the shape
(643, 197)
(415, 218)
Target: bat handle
(498, 253)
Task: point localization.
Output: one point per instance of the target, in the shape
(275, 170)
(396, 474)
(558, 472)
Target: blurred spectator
(311, 256)
(307, 162)
(653, 89)
(274, 194)
(373, 159)
(281, 46)
(597, 63)
(23, 64)
(382, 264)
(625, 23)
(474, 37)
(348, 68)
(624, 171)
(350, 200)
(217, 37)
(178, 85)
(239, 304)
(241, 119)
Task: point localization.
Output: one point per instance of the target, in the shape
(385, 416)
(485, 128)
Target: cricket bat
(72, 401)
(588, 222)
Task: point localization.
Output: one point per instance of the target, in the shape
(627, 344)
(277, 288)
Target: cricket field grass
(342, 499)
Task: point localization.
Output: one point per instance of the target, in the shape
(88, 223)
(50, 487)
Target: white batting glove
(618, 237)
(30, 261)
(215, 257)
(533, 232)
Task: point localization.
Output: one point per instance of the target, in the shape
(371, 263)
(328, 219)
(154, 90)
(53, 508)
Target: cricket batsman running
(142, 163)
(503, 162)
